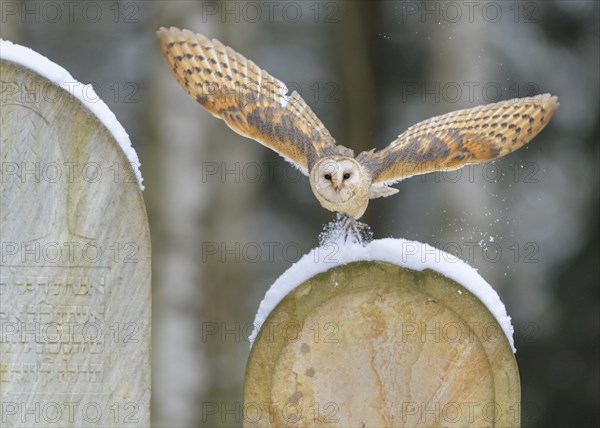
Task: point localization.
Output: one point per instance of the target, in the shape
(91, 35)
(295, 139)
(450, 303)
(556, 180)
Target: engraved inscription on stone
(56, 325)
(75, 298)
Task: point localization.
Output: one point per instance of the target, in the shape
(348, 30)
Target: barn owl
(258, 106)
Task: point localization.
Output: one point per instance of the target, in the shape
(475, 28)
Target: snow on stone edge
(408, 254)
(38, 63)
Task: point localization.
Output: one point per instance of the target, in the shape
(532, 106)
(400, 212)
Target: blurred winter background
(227, 216)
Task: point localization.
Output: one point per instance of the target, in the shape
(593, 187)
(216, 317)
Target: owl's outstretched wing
(460, 138)
(251, 102)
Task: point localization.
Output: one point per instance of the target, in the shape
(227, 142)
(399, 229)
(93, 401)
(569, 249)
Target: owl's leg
(350, 231)
(355, 231)
(346, 229)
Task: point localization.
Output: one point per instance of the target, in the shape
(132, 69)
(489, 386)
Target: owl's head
(339, 183)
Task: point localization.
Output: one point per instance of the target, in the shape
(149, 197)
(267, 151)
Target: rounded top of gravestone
(34, 61)
(401, 252)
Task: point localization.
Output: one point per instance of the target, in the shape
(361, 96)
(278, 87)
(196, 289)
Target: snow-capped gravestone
(395, 333)
(75, 255)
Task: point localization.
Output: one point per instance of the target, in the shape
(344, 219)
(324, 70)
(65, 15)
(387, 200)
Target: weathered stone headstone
(371, 343)
(75, 297)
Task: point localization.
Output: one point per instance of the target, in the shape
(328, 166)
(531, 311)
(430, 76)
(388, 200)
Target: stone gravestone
(376, 343)
(75, 297)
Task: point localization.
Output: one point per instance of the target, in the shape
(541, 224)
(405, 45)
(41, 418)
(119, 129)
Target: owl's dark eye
(328, 177)
(346, 176)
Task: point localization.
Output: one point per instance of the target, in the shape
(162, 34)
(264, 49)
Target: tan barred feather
(247, 98)
(461, 137)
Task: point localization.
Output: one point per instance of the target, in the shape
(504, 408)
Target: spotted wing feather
(251, 102)
(460, 138)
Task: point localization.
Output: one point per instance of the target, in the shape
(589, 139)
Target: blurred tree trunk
(201, 291)
(178, 200)
(225, 278)
(358, 88)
